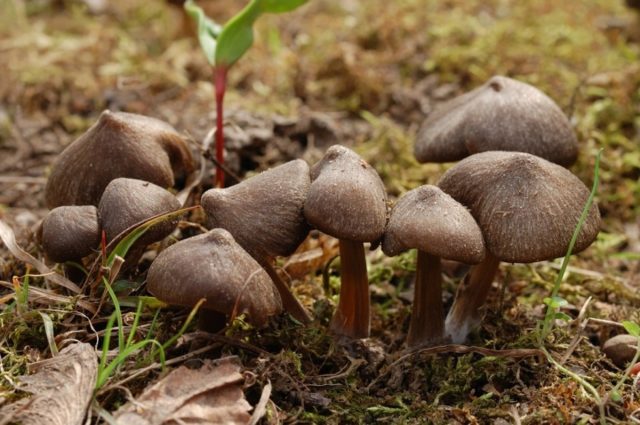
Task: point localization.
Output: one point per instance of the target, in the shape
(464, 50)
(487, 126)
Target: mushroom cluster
(70, 233)
(500, 203)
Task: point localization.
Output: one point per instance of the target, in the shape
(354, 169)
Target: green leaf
(632, 328)
(281, 6)
(562, 316)
(555, 302)
(237, 35)
(208, 30)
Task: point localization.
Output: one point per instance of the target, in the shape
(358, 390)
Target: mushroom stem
(351, 318)
(289, 301)
(427, 316)
(470, 296)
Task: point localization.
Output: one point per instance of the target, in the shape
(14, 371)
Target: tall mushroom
(435, 224)
(347, 200)
(118, 145)
(527, 209)
(213, 266)
(502, 114)
(264, 215)
(70, 233)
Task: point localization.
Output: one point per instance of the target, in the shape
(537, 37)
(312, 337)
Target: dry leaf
(209, 395)
(62, 388)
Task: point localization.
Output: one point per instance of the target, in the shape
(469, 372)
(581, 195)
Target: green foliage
(208, 31)
(224, 46)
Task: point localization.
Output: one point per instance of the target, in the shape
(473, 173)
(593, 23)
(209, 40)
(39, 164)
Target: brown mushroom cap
(502, 114)
(431, 221)
(346, 199)
(215, 267)
(126, 202)
(70, 232)
(621, 349)
(264, 212)
(118, 145)
(527, 207)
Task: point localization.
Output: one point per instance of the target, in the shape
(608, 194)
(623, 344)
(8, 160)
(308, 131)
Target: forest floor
(363, 74)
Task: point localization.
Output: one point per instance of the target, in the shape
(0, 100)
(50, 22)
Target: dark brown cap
(527, 207)
(70, 233)
(429, 220)
(264, 212)
(215, 267)
(502, 114)
(118, 145)
(347, 199)
(126, 202)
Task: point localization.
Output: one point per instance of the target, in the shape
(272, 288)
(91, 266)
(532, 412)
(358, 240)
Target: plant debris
(211, 394)
(61, 389)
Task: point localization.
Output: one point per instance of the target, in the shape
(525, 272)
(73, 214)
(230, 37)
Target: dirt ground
(364, 74)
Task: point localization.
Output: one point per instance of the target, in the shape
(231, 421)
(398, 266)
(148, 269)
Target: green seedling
(224, 45)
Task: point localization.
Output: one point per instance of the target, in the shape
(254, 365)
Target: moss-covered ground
(363, 74)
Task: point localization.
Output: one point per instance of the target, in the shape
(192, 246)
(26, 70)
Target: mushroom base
(351, 318)
(471, 294)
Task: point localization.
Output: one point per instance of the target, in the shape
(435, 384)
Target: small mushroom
(527, 209)
(621, 349)
(128, 202)
(264, 215)
(215, 267)
(347, 200)
(435, 224)
(118, 145)
(70, 233)
(502, 114)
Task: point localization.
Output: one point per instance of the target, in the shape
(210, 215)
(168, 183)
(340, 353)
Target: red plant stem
(220, 83)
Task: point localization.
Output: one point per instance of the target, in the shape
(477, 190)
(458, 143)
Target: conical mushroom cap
(70, 233)
(215, 267)
(429, 220)
(347, 199)
(118, 145)
(527, 207)
(502, 114)
(264, 212)
(126, 202)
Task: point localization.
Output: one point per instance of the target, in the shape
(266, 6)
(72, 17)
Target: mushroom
(527, 209)
(502, 114)
(127, 202)
(621, 349)
(118, 145)
(215, 267)
(435, 224)
(70, 233)
(264, 215)
(347, 200)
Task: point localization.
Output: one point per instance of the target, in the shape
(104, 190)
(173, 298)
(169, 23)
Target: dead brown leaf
(209, 395)
(62, 388)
